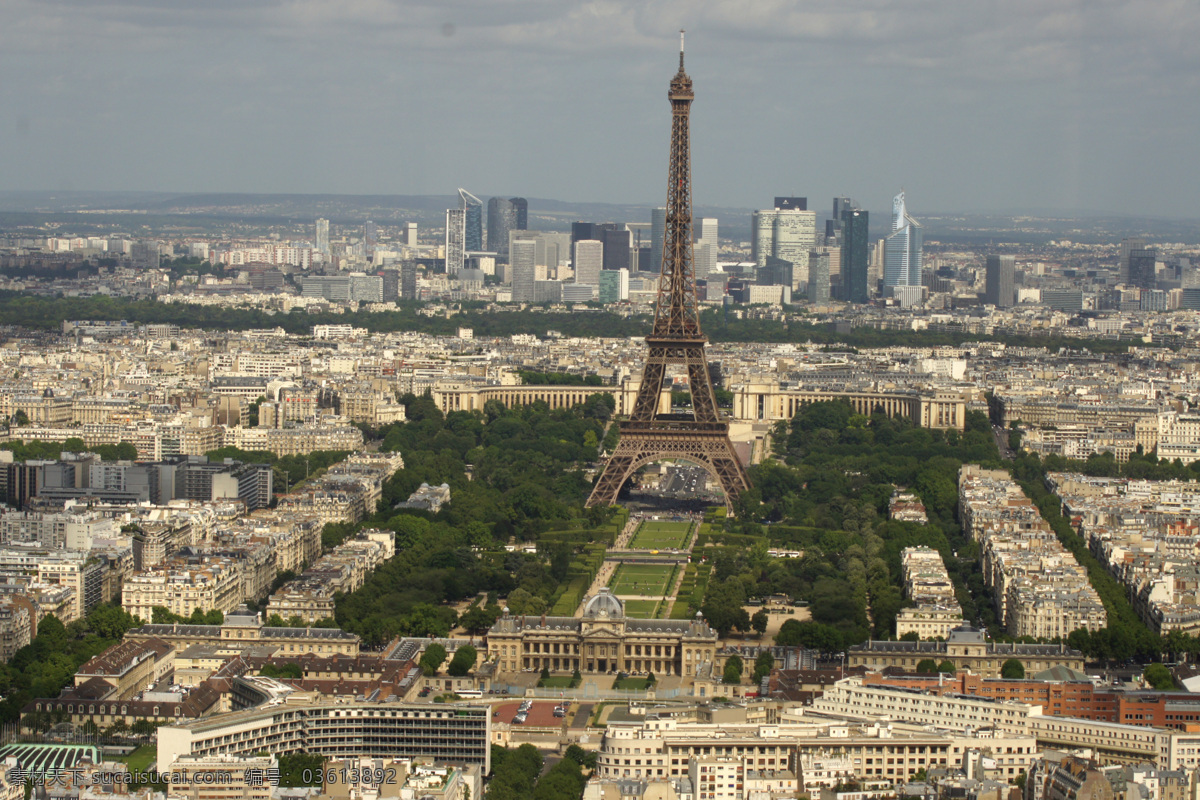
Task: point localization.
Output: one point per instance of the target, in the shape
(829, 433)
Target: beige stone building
(603, 640)
(967, 648)
(130, 666)
(242, 628)
(182, 589)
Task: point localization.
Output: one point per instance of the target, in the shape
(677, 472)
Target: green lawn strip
(641, 609)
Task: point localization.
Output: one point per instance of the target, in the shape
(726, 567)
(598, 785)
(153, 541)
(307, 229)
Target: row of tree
(48, 313)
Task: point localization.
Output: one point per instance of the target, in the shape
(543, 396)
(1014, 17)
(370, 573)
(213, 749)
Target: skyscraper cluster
(787, 232)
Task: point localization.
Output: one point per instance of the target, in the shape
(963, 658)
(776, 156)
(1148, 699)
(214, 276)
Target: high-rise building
(505, 216)
(705, 253)
(522, 258)
(391, 285)
(999, 280)
(410, 234)
(501, 219)
(855, 254)
(521, 208)
(584, 230)
(787, 233)
(902, 252)
(370, 237)
(614, 285)
(777, 272)
(658, 229)
(1142, 266)
(322, 237)
(791, 203)
(366, 288)
(472, 208)
(1128, 245)
(588, 261)
(408, 280)
(818, 276)
(617, 243)
(455, 240)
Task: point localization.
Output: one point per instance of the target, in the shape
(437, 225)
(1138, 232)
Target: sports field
(642, 579)
(654, 535)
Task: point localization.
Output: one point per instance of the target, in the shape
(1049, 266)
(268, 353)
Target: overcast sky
(969, 105)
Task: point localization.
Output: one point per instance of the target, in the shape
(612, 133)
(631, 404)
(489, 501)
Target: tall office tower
(999, 279)
(855, 254)
(472, 208)
(589, 261)
(584, 230)
(833, 226)
(706, 248)
(370, 237)
(903, 249)
(521, 210)
(410, 234)
(1142, 264)
(818, 276)
(455, 240)
(522, 259)
(787, 233)
(408, 280)
(1128, 245)
(391, 285)
(791, 203)
(501, 219)
(658, 228)
(614, 286)
(617, 242)
(323, 236)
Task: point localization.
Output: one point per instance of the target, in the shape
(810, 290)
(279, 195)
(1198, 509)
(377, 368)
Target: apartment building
(182, 588)
(336, 728)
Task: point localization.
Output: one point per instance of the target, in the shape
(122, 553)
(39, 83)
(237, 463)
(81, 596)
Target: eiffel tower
(701, 437)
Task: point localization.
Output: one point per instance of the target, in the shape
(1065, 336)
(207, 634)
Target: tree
(580, 756)
(464, 659)
(1159, 677)
(1012, 669)
(927, 665)
(432, 658)
(733, 674)
(142, 727)
(946, 667)
(478, 619)
(759, 622)
(763, 665)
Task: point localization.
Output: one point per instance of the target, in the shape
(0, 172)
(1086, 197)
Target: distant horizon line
(1042, 212)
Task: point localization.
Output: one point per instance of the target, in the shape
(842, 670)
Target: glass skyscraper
(472, 208)
(855, 254)
(902, 254)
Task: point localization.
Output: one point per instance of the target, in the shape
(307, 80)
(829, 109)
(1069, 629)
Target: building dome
(604, 604)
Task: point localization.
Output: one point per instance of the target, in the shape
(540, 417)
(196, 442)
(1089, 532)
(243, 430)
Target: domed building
(602, 640)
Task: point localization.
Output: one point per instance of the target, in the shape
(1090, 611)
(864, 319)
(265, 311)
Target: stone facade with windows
(603, 640)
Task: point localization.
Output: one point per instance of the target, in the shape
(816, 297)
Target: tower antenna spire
(676, 342)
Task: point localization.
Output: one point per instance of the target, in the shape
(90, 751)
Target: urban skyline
(1001, 110)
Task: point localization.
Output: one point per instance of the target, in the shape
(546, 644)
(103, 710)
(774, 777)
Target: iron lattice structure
(701, 437)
